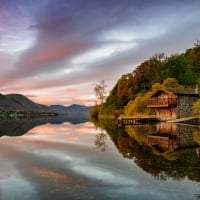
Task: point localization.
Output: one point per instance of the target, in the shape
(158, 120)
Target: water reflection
(171, 137)
(60, 161)
(22, 126)
(100, 140)
(164, 150)
(46, 164)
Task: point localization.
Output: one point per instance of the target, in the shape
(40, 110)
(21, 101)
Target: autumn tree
(100, 91)
(148, 73)
(120, 95)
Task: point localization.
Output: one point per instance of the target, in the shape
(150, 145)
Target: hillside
(18, 102)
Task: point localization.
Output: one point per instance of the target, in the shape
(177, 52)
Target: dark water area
(58, 159)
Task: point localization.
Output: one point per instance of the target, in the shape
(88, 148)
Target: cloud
(71, 90)
(48, 44)
(42, 60)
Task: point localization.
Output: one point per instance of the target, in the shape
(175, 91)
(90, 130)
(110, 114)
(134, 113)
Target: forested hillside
(180, 71)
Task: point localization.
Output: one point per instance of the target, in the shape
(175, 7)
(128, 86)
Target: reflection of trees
(110, 127)
(178, 165)
(100, 140)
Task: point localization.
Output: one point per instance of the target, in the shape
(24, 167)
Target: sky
(56, 51)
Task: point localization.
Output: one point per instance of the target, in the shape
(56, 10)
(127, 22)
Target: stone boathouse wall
(184, 105)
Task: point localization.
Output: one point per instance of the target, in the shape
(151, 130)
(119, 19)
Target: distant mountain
(18, 102)
(72, 110)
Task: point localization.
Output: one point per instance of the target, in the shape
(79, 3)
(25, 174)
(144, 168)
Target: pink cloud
(52, 99)
(50, 54)
(72, 90)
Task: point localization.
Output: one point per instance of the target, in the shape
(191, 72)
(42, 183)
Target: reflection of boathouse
(172, 105)
(170, 137)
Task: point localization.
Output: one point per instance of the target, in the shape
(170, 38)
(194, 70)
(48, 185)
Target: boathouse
(172, 105)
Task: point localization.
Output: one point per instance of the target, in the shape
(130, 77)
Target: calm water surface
(79, 161)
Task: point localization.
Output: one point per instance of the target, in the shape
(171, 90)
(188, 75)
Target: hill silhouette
(19, 102)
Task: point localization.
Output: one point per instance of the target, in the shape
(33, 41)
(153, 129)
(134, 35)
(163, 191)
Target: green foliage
(193, 55)
(196, 137)
(170, 83)
(156, 86)
(179, 67)
(24, 114)
(173, 85)
(94, 112)
(196, 108)
(138, 106)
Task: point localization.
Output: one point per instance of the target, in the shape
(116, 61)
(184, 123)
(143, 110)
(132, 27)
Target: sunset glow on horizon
(54, 52)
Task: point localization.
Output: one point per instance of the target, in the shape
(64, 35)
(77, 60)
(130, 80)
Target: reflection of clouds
(72, 138)
(41, 130)
(74, 160)
(66, 127)
(50, 174)
(50, 163)
(6, 167)
(17, 188)
(103, 174)
(67, 133)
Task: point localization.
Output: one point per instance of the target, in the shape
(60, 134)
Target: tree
(193, 55)
(138, 106)
(170, 83)
(100, 91)
(155, 87)
(120, 95)
(179, 67)
(148, 73)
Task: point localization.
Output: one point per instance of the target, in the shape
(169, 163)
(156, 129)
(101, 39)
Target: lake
(58, 159)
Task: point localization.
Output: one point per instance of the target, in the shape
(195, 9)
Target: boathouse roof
(173, 92)
(161, 90)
